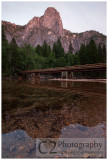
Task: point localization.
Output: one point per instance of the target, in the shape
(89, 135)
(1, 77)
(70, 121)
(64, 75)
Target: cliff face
(49, 28)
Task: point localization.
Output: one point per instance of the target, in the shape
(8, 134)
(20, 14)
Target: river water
(50, 109)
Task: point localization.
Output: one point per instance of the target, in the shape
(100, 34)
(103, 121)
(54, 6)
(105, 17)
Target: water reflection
(49, 111)
(64, 84)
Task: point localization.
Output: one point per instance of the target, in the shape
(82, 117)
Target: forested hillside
(16, 59)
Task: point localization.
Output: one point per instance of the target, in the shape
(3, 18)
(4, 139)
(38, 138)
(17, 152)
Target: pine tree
(91, 53)
(100, 53)
(13, 56)
(70, 59)
(46, 49)
(58, 49)
(3, 35)
(104, 53)
(81, 54)
(70, 48)
(39, 50)
(55, 49)
(51, 60)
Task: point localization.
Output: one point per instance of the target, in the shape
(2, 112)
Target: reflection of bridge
(67, 71)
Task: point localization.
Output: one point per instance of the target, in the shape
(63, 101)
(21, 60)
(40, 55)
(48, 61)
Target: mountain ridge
(49, 28)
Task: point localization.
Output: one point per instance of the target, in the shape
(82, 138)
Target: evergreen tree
(13, 56)
(70, 59)
(76, 60)
(39, 50)
(22, 59)
(91, 53)
(5, 55)
(100, 53)
(81, 54)
(55, 49)
(45, 49)
(51, 60)
(3, 35)
(70, 48)
(104, 53)
(58, 49)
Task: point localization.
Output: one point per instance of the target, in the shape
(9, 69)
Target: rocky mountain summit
(49, 28)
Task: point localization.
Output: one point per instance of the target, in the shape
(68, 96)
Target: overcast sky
(76, 16)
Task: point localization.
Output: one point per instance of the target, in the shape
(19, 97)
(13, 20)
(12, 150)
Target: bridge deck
(87, 67)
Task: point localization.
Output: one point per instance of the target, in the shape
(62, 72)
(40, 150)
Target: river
(50, 109)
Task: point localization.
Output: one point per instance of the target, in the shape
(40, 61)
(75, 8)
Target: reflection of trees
(64, 84)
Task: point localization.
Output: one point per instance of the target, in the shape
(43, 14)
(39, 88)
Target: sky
(76, 16)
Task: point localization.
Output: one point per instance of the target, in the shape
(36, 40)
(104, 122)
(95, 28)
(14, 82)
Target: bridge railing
(67, 68)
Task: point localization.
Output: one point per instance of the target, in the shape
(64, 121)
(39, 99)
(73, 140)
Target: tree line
(91, 54)
(16, 59)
